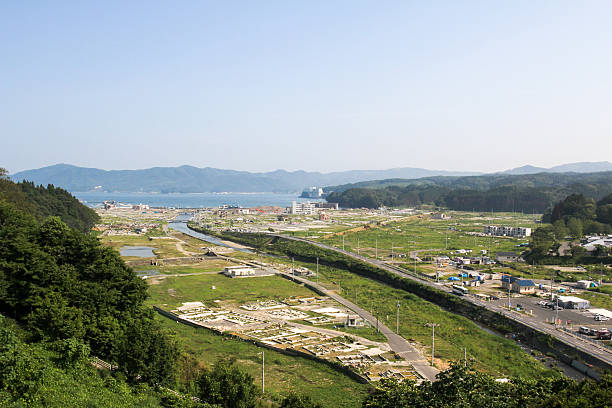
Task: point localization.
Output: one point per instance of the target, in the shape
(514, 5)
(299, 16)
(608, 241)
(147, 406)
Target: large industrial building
(303, 208)
(506, 231)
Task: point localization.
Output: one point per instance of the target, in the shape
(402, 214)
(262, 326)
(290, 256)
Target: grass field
(162, 248)
(173, 291)
(598, 300)
(208, 265)
(441, 236)
(283, 373)
(491, 353)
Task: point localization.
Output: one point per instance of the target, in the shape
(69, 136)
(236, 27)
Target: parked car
(601, 318)
(592, 332)
(604, 334)
(584, 330)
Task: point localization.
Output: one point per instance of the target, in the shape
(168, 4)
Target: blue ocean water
(190, 200)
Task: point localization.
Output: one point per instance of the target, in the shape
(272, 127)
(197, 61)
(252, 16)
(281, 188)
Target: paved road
(579, 343)
(397, 343)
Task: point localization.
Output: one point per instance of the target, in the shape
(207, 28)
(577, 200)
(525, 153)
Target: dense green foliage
(42, 202)
(526, 193)
(62, 284)
(570, 219)
(228, 386)
(462, 387)
(59, 375)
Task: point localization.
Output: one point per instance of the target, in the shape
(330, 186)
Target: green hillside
(498, 192)
(42, 202)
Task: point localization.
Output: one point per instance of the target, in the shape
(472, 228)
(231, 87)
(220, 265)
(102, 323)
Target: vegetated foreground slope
(526, 193)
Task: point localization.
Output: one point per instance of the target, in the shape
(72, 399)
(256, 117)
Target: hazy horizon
(316, 86)
(279, 169)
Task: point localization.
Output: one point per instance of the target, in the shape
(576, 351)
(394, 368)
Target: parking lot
(568, 317)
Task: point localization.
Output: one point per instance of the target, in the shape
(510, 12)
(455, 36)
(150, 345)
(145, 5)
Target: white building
(590, 242)
(506, 231)
(241, 270)
(140, 207)
(303, 208)
(585, 284)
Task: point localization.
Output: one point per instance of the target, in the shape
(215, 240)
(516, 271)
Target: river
(180, 224)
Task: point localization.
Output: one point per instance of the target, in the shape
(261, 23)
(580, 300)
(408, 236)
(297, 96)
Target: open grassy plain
(283, 373)
(421, 233)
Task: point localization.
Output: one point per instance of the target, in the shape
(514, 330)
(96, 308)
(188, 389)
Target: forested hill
(42, 202)
(497, 192)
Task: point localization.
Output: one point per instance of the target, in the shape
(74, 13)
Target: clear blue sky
(315, 85)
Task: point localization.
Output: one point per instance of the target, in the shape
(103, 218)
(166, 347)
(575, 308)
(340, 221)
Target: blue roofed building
(518, 285)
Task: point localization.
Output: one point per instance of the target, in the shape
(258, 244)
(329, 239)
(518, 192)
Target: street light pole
(317, 269)
(376, 256)
(343, 242)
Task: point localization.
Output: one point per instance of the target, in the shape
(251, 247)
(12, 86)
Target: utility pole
(415, 271)
(376, 256)
(263, 373)
(357, 246)
(343, 242)
(292, 266)
(317, 269)
(392, 252)
(551, 281)
(397, 318)
(377, 321)
(465, 357)
(509, 286)
(557, 312)
(433, 339)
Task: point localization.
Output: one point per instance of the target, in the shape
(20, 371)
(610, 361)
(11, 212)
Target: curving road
(586, 346)
(397, 343)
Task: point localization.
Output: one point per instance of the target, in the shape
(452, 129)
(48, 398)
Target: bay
(190, 200)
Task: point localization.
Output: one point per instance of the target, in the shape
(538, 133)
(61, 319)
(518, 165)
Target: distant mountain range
(581, 167)
(189, 179)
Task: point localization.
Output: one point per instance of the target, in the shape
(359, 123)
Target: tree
(227, 386)
(578, 251)
(604, 214)
(21, 367)
(574, 206)
(463, 387)
(542, 240)
(575, 227)
(561, 231)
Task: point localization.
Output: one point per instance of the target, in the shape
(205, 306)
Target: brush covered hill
(495, 192)
(42, 202)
